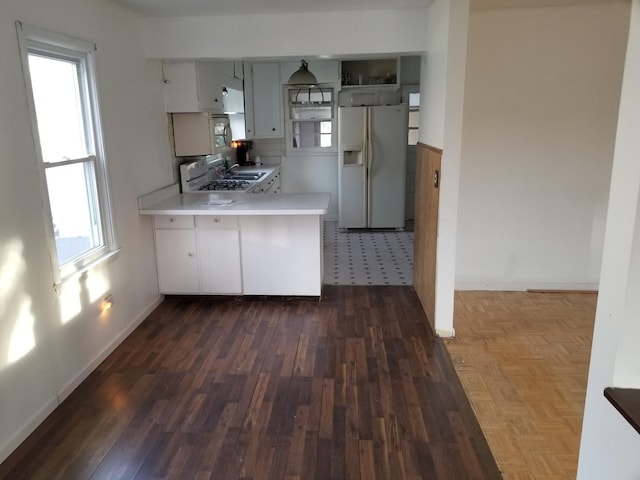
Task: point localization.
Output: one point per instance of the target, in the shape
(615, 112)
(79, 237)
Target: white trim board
(524, 286)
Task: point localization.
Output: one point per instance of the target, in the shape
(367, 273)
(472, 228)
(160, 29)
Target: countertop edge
(243, 204)
(219, 211)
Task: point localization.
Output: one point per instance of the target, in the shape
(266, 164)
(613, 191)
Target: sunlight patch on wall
(17, 334)
(82, 293)
(22, 337)
(12, 268)
(70, 301)
(97, 286)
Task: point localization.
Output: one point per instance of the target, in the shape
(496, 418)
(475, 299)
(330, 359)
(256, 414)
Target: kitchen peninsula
(231, 243)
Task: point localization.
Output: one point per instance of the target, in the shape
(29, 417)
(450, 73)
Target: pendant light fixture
(303, 79)
(302, 76)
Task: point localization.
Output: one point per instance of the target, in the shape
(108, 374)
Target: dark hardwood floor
(354, 386)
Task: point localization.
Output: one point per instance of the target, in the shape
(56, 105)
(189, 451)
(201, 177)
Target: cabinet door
(180, 87)
(282, 254)
(192, 87)
(191, 134)
(177, 261)
(210, 86)
(267, 100)
(219, 255)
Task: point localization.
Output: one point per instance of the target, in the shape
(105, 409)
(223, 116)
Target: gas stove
(201, 175)
(234, 185)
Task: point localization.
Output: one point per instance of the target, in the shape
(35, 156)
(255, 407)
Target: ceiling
(188, 8)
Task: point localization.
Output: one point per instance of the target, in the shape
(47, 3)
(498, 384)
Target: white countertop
(238, 203)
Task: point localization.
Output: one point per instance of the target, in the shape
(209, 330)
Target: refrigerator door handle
(369, 158)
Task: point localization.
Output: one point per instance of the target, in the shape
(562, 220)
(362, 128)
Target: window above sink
(310, 122)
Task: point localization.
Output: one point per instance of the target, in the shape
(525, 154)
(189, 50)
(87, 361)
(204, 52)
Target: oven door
(220, 134)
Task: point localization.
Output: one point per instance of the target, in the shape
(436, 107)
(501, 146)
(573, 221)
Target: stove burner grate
(227, 185)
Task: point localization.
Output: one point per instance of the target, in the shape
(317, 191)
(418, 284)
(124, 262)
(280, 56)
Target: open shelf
(368, 73)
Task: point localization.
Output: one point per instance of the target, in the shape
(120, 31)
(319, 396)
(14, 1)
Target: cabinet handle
(190, 254)
(273, 129)
(216, 220)
(171, 220)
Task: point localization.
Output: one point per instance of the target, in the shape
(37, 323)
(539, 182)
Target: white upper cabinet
(192, 87)
(212, 87)
(264, 111)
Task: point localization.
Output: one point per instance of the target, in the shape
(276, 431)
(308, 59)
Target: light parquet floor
(523, 359)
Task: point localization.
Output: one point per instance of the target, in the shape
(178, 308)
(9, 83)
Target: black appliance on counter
(242, 149)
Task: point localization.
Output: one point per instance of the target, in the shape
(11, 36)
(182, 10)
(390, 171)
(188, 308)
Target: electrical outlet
(107, 303)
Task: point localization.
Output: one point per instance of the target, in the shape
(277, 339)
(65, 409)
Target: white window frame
(408, 90)
(300, 151)
(58, 45)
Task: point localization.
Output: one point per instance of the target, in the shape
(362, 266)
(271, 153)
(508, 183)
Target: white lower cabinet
(282, 254)
(271, 184)
(176, 254)
(198, 257)
(250, 255)
(219, 255)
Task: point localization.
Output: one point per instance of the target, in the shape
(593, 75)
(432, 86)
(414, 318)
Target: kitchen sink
(250, 176)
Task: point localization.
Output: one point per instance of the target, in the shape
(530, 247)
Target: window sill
(85, 268)
(627, 402)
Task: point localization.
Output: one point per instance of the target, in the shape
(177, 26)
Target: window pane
(414, 119)
(413, 136)
(315, 95)
(325, 140)
(310, 113)
(310, 118)
(311, 134)
(58, 102)
(72, 195)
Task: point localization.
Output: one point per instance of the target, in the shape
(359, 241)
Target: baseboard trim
(528, 287)
(541, 290)
(445, 333)
(28, 428)
(34, 422)
(70, 386)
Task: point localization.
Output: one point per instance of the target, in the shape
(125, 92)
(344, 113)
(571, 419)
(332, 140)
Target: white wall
(283, 35)
(49, 342)
(609, 446)
(441, 98)
(433, 75)
(312, 174)
(541, 100)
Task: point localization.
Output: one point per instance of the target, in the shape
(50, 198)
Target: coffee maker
(242, 148)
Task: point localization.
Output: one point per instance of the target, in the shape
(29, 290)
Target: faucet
(228, 170)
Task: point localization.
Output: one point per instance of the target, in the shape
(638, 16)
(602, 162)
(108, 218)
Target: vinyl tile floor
(367, 257)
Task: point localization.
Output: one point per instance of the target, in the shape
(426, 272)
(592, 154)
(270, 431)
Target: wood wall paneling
(428, 170)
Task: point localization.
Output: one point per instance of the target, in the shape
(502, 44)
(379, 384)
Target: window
(310, 120)
(59, 75)
(414, 118)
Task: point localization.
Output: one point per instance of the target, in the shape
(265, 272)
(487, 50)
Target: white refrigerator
(371, 172)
